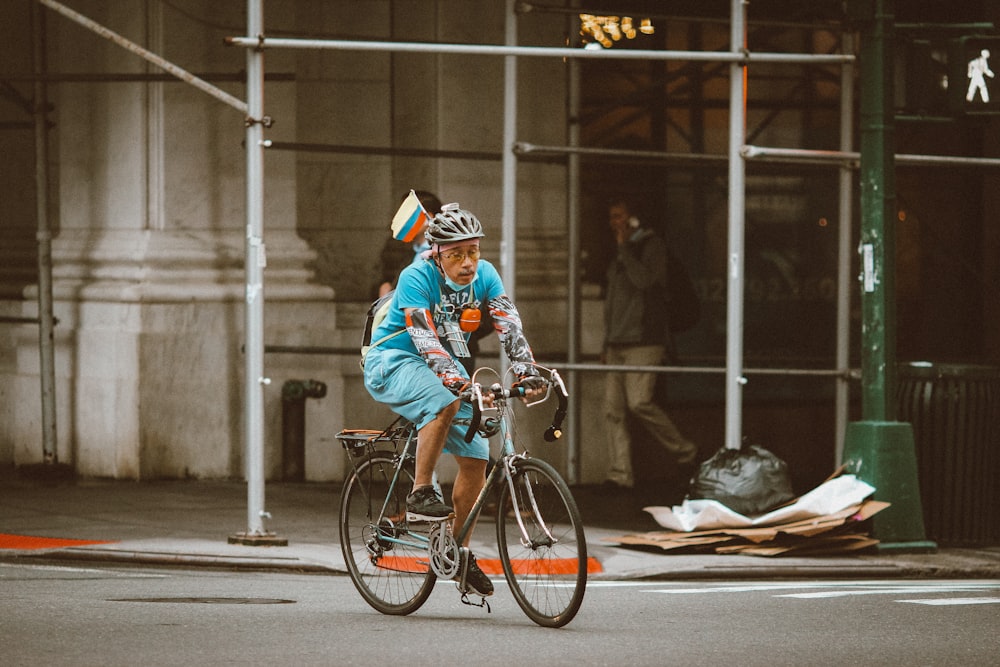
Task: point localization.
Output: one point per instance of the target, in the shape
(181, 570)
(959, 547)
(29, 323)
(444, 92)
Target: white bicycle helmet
(453, 224)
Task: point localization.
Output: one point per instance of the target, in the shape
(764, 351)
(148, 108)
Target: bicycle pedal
(482, 602)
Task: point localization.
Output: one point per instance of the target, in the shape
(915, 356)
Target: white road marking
(83, 570)
(818, 590)
(900, 590)
(954, 601)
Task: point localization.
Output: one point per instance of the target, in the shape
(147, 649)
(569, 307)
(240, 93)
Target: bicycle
(541, 546)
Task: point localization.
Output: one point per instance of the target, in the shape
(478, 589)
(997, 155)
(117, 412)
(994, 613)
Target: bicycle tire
(393, 578)
(547, 577)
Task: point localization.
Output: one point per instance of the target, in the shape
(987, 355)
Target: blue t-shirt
(422, 286)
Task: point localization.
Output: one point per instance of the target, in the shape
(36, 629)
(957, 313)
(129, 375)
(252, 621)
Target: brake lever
(476, 398)
(554, 432)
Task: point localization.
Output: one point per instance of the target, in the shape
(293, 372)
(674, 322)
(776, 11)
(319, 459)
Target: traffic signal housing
(921, 77)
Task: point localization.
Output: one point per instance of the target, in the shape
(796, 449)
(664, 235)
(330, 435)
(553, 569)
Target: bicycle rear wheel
(545, 562)
(387, 565)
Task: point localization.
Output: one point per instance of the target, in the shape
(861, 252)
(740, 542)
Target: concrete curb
(618, 563)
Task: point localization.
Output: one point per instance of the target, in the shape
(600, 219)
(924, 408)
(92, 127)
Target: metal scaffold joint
(265, 121)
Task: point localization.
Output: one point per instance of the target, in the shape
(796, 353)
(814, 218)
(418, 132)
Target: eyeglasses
(459, 256)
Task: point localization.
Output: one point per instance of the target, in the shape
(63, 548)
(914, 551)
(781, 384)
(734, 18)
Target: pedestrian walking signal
(974, 87)
(978, 70)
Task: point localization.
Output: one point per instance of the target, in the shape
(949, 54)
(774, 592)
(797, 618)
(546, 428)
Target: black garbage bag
(750, 480)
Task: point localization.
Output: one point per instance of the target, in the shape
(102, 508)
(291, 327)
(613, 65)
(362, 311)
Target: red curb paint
(28, 542)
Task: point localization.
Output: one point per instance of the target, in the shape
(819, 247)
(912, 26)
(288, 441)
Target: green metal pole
(880, 450)
(878, 203)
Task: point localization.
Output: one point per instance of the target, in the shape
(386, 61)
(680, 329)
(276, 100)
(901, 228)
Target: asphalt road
(95, 615)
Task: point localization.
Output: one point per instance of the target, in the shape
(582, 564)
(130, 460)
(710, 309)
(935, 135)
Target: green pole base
(922, 547)
(883, 454)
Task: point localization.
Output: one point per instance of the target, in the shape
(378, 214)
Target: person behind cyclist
(397, 255)
(419, 374)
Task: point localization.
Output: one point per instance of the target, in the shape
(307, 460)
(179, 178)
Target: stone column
(148, 264)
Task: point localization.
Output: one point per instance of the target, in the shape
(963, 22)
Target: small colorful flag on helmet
(410, 219)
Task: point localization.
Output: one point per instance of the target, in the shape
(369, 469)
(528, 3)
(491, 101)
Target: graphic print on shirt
(447, 316)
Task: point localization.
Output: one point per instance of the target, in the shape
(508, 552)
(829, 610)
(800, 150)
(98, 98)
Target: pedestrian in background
(637, 333)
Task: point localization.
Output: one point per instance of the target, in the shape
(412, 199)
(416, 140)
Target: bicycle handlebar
(476, 393)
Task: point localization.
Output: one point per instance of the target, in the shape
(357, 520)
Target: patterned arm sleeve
(507, 323)
(420, 326)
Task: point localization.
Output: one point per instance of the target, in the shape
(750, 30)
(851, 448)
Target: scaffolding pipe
(740, 56)
(845, 218)
(255, 261)
(573, 315)
(734, 301)
(840, 158)
(46, 342)
(135, 77)
(911, 160)
(849, 373)
(508, 226)
(526, 148)
(384, 151)
(853, 158)
(147, 55)
(712, 370)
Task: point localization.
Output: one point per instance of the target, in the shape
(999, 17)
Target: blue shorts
(403, 381)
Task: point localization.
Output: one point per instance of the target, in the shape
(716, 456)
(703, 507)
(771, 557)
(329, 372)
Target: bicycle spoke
(542, 546)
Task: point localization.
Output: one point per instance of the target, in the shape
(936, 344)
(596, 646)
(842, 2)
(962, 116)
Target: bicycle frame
(502, 472)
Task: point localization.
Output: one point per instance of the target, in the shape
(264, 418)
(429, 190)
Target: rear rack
(361, 441)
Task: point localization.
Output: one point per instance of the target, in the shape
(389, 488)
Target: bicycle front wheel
(388, 566)
(542, 546)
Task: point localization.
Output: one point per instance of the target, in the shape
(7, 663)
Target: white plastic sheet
(828, 498)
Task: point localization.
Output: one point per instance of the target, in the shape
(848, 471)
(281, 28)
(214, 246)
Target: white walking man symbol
(978, 70)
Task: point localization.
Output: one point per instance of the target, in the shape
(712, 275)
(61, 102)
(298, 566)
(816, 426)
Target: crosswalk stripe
(815, 590)
(835, 589)
(876, 591)
(955, 601)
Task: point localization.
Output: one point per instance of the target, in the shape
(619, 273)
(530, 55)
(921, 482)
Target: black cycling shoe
(475, 580)
(425, 504)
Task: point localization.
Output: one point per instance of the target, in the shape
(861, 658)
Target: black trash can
(955, 413)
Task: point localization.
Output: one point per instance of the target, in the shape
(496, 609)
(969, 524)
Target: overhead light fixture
(606, 30)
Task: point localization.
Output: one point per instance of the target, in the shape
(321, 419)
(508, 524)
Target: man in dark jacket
(636, 334)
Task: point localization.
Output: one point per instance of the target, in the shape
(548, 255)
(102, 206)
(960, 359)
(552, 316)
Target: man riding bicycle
(438, 302)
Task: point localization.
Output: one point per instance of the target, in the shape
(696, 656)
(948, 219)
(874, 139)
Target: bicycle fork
(544, 537)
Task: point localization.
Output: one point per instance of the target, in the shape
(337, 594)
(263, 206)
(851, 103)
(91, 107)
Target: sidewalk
(189, 522)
